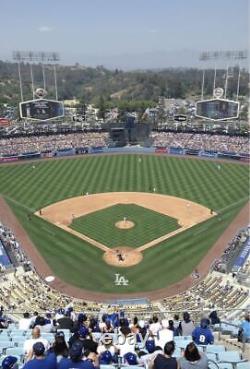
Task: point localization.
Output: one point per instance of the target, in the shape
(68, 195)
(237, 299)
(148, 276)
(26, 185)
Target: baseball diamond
(51, 204)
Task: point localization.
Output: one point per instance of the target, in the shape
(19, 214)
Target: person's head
(186, 317)
(40, 320)
(75, 352)
(38, 349)
(247, 317)
(150, 345)
(135, 321)
(169, 348)
(36, 333)
(10, 362)
(130, 358)
(82, 318)
(170, 324)
(59, 345)
(176, 317)
(83, 332)
(26, 315)
(191, 352)
(125, 331)
(204, 323)
(155, 319)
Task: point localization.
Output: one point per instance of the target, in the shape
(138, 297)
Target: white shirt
(28, 344)
(24, 323)
(127, 346)
(164, 335)
(154, 328)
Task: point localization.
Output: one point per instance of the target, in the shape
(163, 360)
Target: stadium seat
(245, 365)
(215, 349)
(15, 351)
(225, 365)
(229, 356)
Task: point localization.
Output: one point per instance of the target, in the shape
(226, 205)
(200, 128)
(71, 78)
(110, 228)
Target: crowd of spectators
(208, 142)
(19, 145)
(86, 341)
(224, 263)
(43, 143)
(12, 247)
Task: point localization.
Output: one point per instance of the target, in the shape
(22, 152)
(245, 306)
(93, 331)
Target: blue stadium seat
(245, 365)
(229, 356)
(15, 351)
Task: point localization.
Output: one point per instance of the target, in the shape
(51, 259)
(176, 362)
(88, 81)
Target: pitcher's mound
(125, 224)
(122, 257)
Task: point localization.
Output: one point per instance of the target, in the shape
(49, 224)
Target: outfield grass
(148, 225)
(27, 189)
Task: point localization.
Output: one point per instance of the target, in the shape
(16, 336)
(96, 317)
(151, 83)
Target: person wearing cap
(10, 362)
(76, 359)
(106, 358)
(59, 347)
(38, 360)
(130, 358)
(202, 335)
(187, 325)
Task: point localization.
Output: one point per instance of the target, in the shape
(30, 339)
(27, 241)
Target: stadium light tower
(36, 57)
(226, 55)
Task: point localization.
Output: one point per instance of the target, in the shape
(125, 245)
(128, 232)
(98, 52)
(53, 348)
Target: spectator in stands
(166, 361)
(202, 335)
(76, 359)
(25, 322)
(165, 334)
(59, 347)
(193, 359)
(130, 358)
(9, 362)
(65, 322)
(36, 337)
(3, 323)
(155, 326)
(128, 342)
(38, 360)
(187, 325)
(245, 328)
(214, 317)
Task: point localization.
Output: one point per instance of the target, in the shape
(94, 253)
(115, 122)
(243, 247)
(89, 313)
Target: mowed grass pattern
(27, 189)
(148, 225)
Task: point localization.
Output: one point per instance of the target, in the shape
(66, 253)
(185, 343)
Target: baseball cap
(75, 351)
(130, 358)
(150, 346)
(105, 357)
(9, 362)
(59, 334)
(83, 331)
(38, 348)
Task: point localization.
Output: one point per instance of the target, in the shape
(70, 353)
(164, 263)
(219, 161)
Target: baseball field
(89, 216)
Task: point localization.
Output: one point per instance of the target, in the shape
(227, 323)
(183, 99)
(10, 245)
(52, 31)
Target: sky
(125, 34)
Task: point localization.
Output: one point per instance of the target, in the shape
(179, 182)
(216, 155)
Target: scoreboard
(41, 109)
(217, 109)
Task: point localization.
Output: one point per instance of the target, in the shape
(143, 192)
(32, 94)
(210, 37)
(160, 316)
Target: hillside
(90, 84)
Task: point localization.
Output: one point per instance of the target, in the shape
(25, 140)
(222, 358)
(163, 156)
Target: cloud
(45, 29)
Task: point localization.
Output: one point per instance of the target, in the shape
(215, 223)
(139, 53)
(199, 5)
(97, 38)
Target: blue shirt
(202, 336)
(46, 363)
(246, 329)
(68, 364)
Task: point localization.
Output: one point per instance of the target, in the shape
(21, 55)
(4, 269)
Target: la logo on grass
(120, 280)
